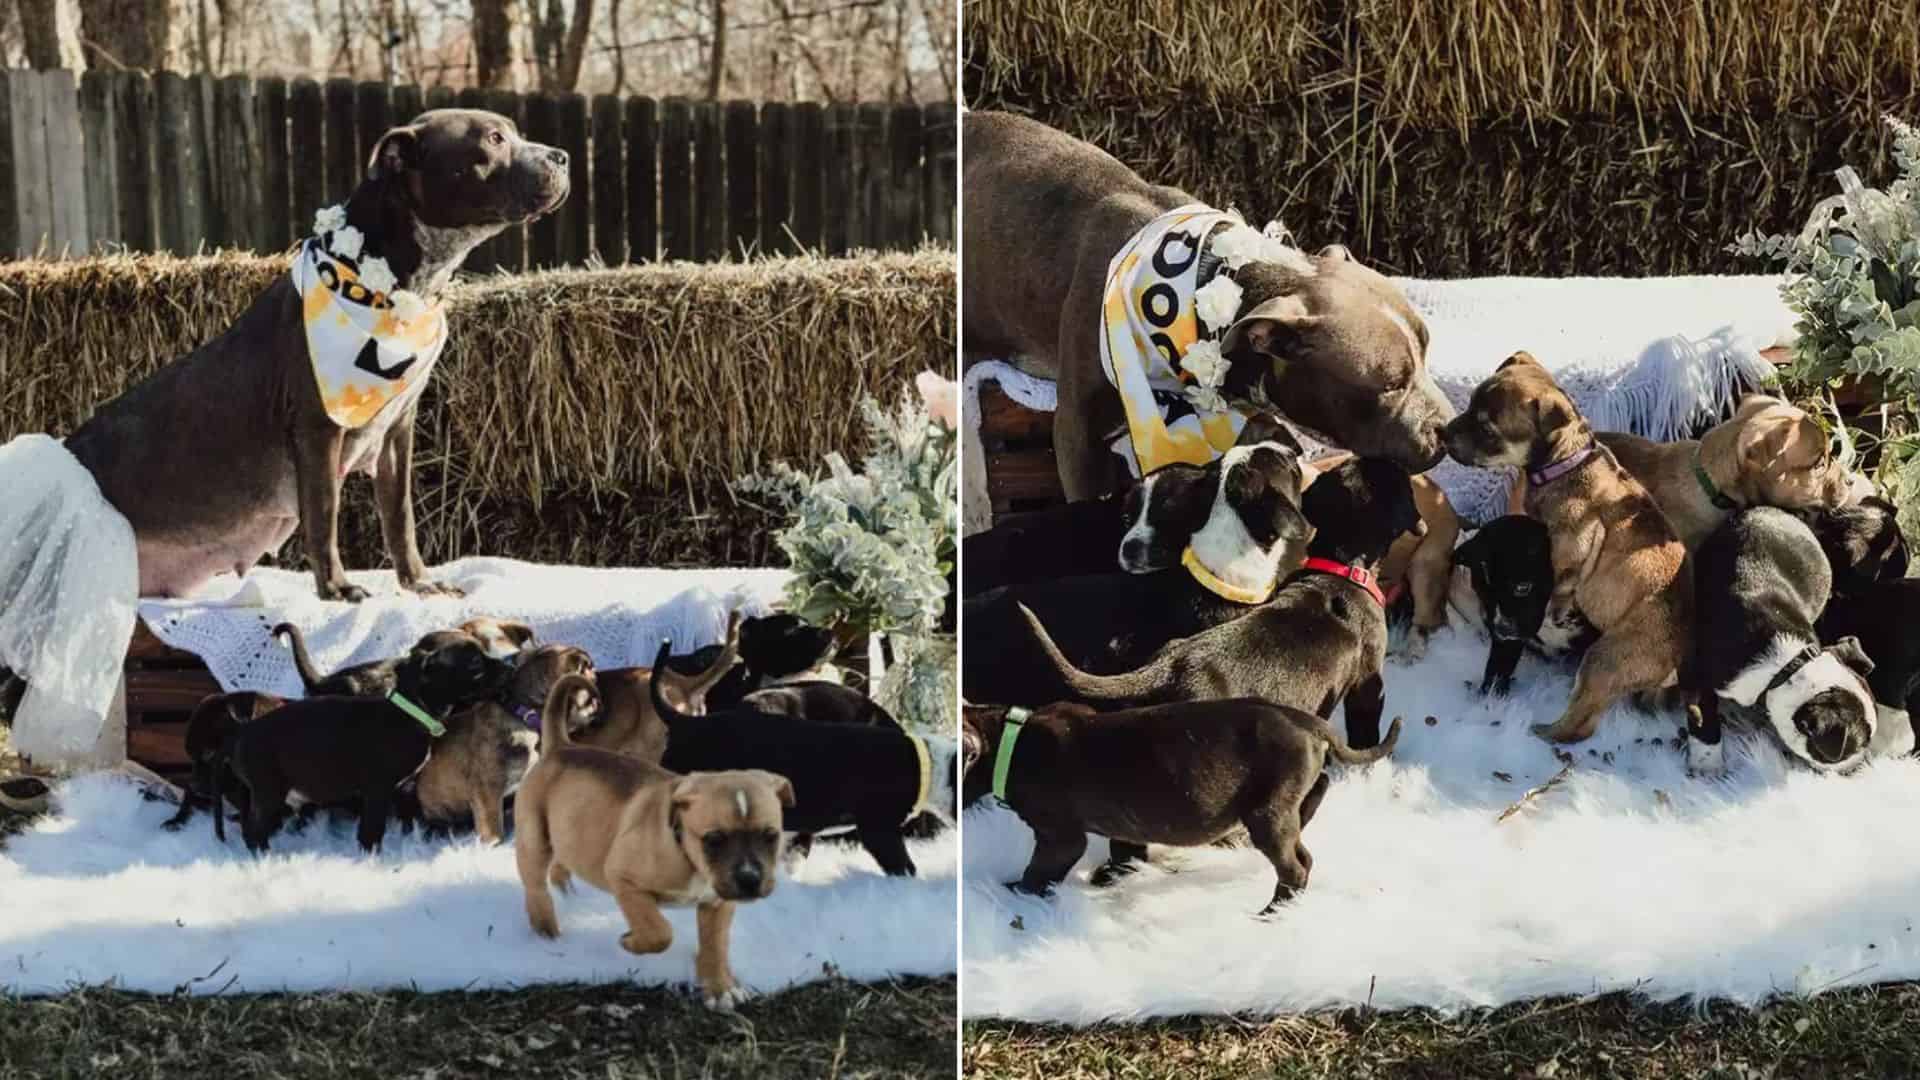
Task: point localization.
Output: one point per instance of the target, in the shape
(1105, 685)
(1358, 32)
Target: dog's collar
(1003, 757)
(1558, 469)
(1789, 669)
(1714, 495)
(1359, 575)
(421, 716)
(1218, 586)
(528, 715)
(926, 775)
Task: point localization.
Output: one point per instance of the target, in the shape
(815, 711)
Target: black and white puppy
(1108, 623)
(1762, 581)
(773, 649)
(1502, 580)
(871, 777)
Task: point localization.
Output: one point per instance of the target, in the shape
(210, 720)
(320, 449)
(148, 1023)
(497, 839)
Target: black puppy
(870, 777)
(375, 677)
(211, 730)
(333, 749)
(773, 649)
(1503, 578)
(1171, 774)
(1761, 581)
(827, 702)
(1115, 622)
(1874, 601)
(1862, 542)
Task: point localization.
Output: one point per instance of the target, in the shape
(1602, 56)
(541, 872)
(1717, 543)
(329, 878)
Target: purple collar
(1561, 468)
(528, 715)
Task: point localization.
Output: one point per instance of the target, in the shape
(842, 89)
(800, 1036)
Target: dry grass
(592, 417)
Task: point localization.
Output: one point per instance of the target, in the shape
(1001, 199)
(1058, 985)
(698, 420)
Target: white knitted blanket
(1652, 356)
(617, 616)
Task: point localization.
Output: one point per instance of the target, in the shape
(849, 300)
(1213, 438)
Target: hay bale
(595, 417)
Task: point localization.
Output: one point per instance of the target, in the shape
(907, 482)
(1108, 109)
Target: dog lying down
(1183, 774)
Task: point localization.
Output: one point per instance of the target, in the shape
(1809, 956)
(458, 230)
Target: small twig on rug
(217, 968)
(1534, 793)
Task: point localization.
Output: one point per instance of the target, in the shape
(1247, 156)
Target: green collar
(434, 727)
(1714, 494)
(1003, 758)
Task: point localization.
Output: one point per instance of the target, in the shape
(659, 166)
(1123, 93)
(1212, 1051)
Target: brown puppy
(489, 747)
(1769, 454)
(628, 722)
(502, 638)
(1616, 560)
(1418, 562)
(649, 837)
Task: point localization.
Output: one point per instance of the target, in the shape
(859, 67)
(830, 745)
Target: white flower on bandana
(1239, 245)
(407, 305)
(1208, 367)
(329, 218)
(376, 275)
(346, 242)
(1217, 303)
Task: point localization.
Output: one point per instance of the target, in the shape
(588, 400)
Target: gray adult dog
(216, 458)
(1338, 351)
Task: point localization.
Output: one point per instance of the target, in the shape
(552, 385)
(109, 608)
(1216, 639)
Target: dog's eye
(770, 836)
(495, 138)
(1524, 588)
(714, 842)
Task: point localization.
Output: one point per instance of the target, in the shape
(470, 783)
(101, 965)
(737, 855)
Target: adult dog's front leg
(316, 453)
(393, 496)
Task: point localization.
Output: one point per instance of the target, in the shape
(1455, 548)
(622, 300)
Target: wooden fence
(123, 160)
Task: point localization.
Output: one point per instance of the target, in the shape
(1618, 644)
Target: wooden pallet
(163, 687)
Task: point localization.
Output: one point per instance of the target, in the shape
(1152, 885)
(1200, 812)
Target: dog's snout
(557, 156)
(748, 877)
(1132, 553)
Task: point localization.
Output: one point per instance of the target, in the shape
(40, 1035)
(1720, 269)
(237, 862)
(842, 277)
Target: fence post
(709, 183)
(135, 123)
(676, 180)
(99, 130)
(841, 204)
(11, 138)
(178, 168)
(776, 179)
(939, 136)
(372, 118)
(609, 182)
(807, 152)
(408, 102)
(343, 161)
(543, 236)
(236, 163)
(871, 159)
(576, 214)
(276, 199)
(743, 178)
(306, 152)
(643, 182)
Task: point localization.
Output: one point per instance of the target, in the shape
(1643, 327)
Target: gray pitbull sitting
(216, 458)
(1331, 344)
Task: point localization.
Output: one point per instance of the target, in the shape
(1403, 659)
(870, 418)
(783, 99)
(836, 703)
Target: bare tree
(717, 60)
(46, 36)
(126, 33)
(492, 44)
(574, 50)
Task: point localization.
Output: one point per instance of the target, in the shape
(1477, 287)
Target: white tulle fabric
(69, 575)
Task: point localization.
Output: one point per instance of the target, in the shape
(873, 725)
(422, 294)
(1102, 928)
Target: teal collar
(1714, 495)
(399, 701)
(1003, 757)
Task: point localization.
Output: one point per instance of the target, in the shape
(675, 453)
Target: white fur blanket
(1628, 875)
(618, 616)
(1646, 355)
(97, 893)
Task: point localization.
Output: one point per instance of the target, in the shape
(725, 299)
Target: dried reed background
(591, 417)
(1456, 137)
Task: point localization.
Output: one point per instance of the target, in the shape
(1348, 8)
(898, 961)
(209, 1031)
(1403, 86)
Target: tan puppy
(501, 638)
(1616, 560)
(649, 837)
(489, 747)
(627, 721)
(1419, 561)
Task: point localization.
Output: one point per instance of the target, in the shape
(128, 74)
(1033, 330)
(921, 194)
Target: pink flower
(942, 397)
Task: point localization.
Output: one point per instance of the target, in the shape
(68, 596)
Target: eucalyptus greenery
(1854, 281)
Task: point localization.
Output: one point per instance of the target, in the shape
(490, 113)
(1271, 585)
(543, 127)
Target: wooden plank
(510, 247)
(276, 194)
(643, 180)
(177, 166)
(940, 138)
(200, 93)
(134, 129)
(871, 163)
(609, 181)
(840, 205)
(709, 183)
(343, 150)
(441, 97)
(306, 152)
(574, 222)
(66, 162)
(1005, 422)
(543, 236)
(906, 218)
(372, 119)
(807, 151)
(236, 165)
(33, 198)
(10, 138)
(676, 180)
(776, 178)
(742, 127)
(408, 104)
(1022, 476)
(99, 131)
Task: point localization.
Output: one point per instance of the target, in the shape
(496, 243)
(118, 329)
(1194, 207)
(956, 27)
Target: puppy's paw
(1553, 733)
(640, 946)
(724, 997)
(428, 587)
(343, 591)
(1112, 874)
(1021, 888)
(1416, 644)
(1706, 760)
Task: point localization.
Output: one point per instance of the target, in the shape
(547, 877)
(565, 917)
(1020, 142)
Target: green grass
(1870, 1032)
(833, 1029)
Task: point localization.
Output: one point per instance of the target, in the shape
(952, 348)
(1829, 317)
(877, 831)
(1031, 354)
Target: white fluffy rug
(97, 893)
(1626, 876)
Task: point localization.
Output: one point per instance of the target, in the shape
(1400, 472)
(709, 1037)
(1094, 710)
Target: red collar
(1359, 575)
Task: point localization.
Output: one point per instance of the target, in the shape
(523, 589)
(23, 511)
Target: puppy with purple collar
(1763, 580)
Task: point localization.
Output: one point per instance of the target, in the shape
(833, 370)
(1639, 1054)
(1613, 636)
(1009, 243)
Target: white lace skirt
(69, 582)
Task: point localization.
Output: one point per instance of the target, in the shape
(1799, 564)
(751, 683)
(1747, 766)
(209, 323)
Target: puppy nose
(1133, 551)
(748, 878)
(557, 156)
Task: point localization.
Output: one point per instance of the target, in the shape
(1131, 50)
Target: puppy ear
(517, 632)
(1519, 359)
(683, 794)
(972, 746)
(1848, 650)
(782, 787)
(395, 153)
(1336, 252)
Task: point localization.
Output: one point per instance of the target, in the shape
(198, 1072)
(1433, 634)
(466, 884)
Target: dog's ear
(1849, 652)
(396, 152)
(1337, 252)
(1266, 329)
(517, 632)
(1762, 441)
(782, 787)
(972, 746)
(1266, 426)
(1518, 359)
(1473, 551)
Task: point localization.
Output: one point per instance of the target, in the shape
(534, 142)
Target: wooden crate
(163, 687)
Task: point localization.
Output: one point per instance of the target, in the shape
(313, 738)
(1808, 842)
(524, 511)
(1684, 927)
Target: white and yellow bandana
(1148, 323)
(365, 355)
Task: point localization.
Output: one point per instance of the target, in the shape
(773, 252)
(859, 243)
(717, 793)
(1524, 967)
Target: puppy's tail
(1132, 688)
(661, 707)
(302, 660)
(1338, 749)
(696, 689)
(559, 706)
